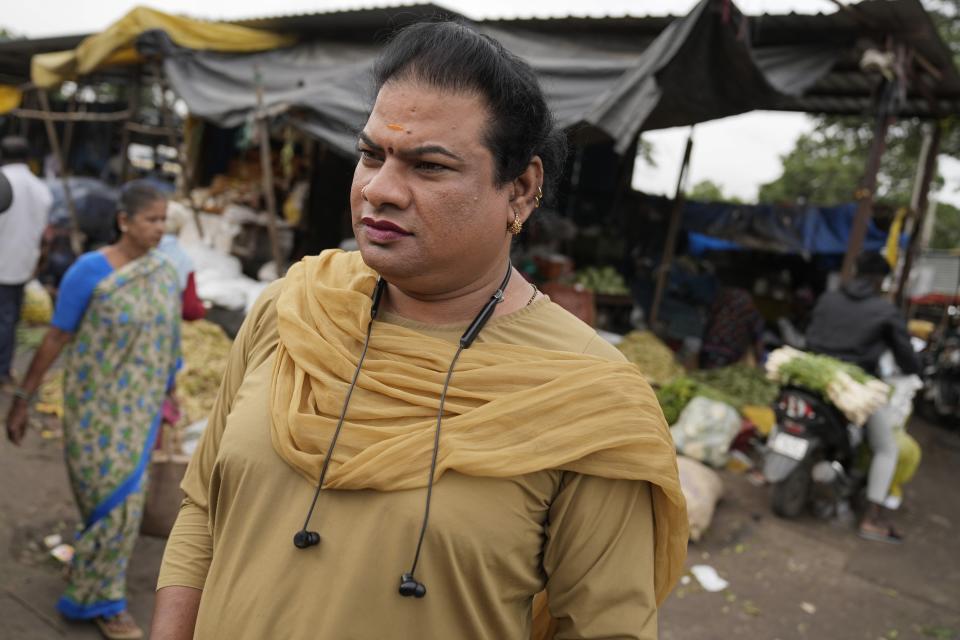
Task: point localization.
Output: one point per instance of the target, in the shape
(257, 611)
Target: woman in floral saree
(118, 312)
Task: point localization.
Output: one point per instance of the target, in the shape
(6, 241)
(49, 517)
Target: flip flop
(111, 632)
(890, 537)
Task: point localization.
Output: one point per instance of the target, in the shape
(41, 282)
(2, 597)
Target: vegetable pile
(675, 395)
(747, 385)
(205, 351)
(654, 358)
(856, 394)
(605, 280)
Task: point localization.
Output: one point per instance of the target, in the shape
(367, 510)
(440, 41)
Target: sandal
(119, 627)
(890, 535)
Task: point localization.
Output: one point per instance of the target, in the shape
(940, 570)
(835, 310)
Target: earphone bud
(303, 539)
(410, 587)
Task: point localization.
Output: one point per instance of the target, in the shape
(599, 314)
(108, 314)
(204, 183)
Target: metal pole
(266, 168)
(918, 202)
(676, 217)
(76, 236)
(864, 195)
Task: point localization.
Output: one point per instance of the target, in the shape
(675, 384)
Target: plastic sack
(907, 463)
(705, 430)
(37, 306)
(763, 418)
(900, 405)
(702, 489)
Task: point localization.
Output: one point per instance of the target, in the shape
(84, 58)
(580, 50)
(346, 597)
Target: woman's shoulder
(91, 259)
(92, 264)
(260, 325)
(550, 326)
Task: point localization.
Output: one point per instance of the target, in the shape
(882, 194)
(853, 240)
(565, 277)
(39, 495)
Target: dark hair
(14, 149)
(872, 264)
(135, 196)
(453, 56)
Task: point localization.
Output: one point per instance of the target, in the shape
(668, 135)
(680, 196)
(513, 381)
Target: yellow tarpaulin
(9, 98)
(115, 45)
(891, 251)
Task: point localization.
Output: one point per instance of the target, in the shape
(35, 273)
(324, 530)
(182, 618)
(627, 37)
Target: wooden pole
(76, 236)
(266, 169)
(676, 217)
(68, 127)
(864, 196)
(71, 116)
(133, 109)
(926, 169)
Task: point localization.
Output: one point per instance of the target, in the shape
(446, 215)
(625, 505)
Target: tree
(826, 165)
(709, 191)
(946, 228)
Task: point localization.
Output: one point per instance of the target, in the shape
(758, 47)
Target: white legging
(883, 443)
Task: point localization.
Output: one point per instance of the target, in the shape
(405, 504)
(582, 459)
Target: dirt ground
(803, 579)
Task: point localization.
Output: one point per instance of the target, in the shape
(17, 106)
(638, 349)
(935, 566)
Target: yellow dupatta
(510, 409)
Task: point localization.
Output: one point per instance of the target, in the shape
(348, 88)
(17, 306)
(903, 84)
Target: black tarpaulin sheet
(701, 67)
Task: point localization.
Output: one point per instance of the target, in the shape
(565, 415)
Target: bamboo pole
(673, 231)
(133, 108)
(74, 116)
(76, 236)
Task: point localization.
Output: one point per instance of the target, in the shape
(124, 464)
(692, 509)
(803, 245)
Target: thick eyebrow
(412, 153)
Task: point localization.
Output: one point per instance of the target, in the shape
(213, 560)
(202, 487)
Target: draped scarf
(510, 409)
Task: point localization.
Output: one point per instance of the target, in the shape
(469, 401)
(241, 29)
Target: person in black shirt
(858, 324)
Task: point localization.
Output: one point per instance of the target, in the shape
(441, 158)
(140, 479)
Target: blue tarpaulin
(778, 229)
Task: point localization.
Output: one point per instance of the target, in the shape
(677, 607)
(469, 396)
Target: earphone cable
(433, 461)
(336, 433)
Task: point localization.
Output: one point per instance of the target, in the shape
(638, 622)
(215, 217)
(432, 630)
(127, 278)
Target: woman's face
(427, 213)
(145, 228)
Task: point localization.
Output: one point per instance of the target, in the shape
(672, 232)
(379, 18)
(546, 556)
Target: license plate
(790, 446)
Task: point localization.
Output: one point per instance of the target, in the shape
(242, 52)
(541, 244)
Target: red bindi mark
(395, 127)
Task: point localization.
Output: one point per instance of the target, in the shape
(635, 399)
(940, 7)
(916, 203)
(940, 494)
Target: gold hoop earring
(537, 198)
(516, 226)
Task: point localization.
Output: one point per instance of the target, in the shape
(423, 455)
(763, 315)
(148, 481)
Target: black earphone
(409, 585)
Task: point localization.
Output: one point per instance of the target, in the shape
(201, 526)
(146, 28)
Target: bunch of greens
(747, 384)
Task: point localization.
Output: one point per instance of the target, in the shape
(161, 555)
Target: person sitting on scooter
(857, 324)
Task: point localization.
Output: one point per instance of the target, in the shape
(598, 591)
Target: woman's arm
(599, 559)
(175, 613)
(53, 343)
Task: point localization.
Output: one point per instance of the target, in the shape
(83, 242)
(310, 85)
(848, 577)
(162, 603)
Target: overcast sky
(739, 153)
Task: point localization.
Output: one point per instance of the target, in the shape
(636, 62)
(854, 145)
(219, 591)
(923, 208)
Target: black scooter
(810, 456)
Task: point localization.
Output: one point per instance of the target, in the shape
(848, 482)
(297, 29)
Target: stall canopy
(115, 45)
(700, 67)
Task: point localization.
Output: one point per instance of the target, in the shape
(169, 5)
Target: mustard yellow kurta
(491, 545)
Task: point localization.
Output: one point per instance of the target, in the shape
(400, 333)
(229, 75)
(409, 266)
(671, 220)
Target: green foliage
(706, 191)
(826, 166)
(946, 229)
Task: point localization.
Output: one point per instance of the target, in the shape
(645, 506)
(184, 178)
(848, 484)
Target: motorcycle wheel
(790, 495)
